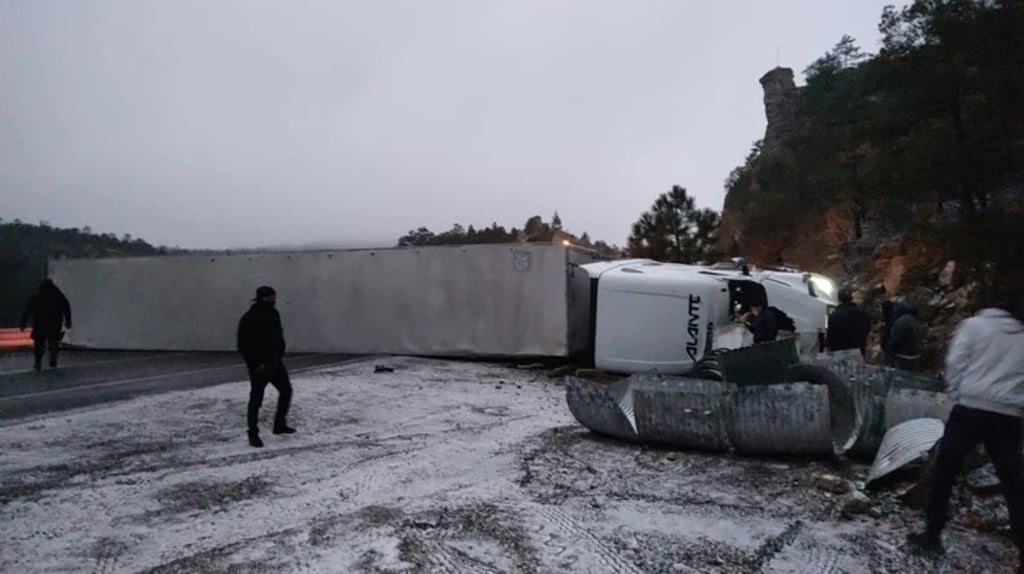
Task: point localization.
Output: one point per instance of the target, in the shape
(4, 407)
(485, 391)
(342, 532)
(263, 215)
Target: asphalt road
(91, 377)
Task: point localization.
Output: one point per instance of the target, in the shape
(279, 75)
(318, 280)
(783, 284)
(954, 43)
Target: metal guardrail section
(769, 404)
(763, 364)
(845, 419)
(876, 390)
(908, 404)
(866, 386)
(905, 443)
(687, 413)
(899, 379)
(711, 415)
(596, 406)
(791, 419)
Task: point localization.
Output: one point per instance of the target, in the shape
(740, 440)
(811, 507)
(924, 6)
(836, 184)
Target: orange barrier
(15, 339)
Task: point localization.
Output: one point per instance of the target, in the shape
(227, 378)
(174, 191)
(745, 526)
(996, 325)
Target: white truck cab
(665, 316)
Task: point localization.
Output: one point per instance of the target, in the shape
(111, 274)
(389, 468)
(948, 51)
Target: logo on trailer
(693, 328)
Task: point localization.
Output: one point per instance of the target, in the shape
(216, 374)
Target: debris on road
(562, 371)
(857, 503)
(830, 483)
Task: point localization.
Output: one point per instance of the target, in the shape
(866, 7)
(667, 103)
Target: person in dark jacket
(848, 326)
(763, 323)
(905, 339)
(48, 309)
(261, 343)
(985, 380)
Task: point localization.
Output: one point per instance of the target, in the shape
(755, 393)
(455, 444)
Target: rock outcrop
(841, 240)
(782, 108)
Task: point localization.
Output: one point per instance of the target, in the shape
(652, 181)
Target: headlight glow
(824, 285)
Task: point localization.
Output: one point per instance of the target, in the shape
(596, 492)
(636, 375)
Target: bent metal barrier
(789, 418)
(836, 405)
(884, 396)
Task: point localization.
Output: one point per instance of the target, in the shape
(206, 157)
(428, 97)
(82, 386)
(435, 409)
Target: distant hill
(25, 250)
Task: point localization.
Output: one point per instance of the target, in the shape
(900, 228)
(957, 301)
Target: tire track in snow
(566, 536)
(108, 554)
(443, 557)
(814, 557)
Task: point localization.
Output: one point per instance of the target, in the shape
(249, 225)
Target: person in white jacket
(985, 380)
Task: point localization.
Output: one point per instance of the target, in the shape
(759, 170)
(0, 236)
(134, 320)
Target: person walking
(985, 380)
(261, 343)
(48, 309)
(848, 326)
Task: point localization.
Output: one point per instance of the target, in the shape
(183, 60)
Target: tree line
(673, 229)
(534, 230)
(25, 250)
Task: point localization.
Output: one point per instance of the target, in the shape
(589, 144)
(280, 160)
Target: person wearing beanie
(261, 343)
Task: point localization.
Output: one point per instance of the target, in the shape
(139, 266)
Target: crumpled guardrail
(885, 397)
(835, 405)
(904, 443)
(790, 418)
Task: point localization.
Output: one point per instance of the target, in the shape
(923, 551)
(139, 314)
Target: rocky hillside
(902, 172)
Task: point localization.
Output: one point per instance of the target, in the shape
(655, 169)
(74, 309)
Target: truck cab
(647, 315)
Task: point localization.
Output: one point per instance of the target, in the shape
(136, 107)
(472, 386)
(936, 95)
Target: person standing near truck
(261, 343)
(905, 339)
(985, 380)
(848, 326)
(762, 323)
(48, 309)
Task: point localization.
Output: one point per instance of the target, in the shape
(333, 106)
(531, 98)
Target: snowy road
(437, 467)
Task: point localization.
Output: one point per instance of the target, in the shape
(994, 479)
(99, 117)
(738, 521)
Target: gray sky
(215, 123)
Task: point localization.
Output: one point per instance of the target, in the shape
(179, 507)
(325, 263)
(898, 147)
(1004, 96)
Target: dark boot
(925, 544)
(283, 429)
(38, 366)
(255, 440)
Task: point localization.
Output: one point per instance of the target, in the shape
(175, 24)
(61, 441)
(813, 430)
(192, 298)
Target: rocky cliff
(841, 238)
(883, 168)
(878, 257)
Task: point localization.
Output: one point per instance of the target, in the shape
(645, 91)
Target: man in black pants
(48, 309)
(261, 342)
(985, 379)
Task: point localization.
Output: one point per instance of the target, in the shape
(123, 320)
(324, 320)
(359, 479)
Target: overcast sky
(215, 123)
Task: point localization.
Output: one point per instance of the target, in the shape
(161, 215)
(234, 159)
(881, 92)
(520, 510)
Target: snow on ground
(437, 467)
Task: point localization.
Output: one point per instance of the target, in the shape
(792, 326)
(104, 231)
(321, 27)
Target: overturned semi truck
(485, 301)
